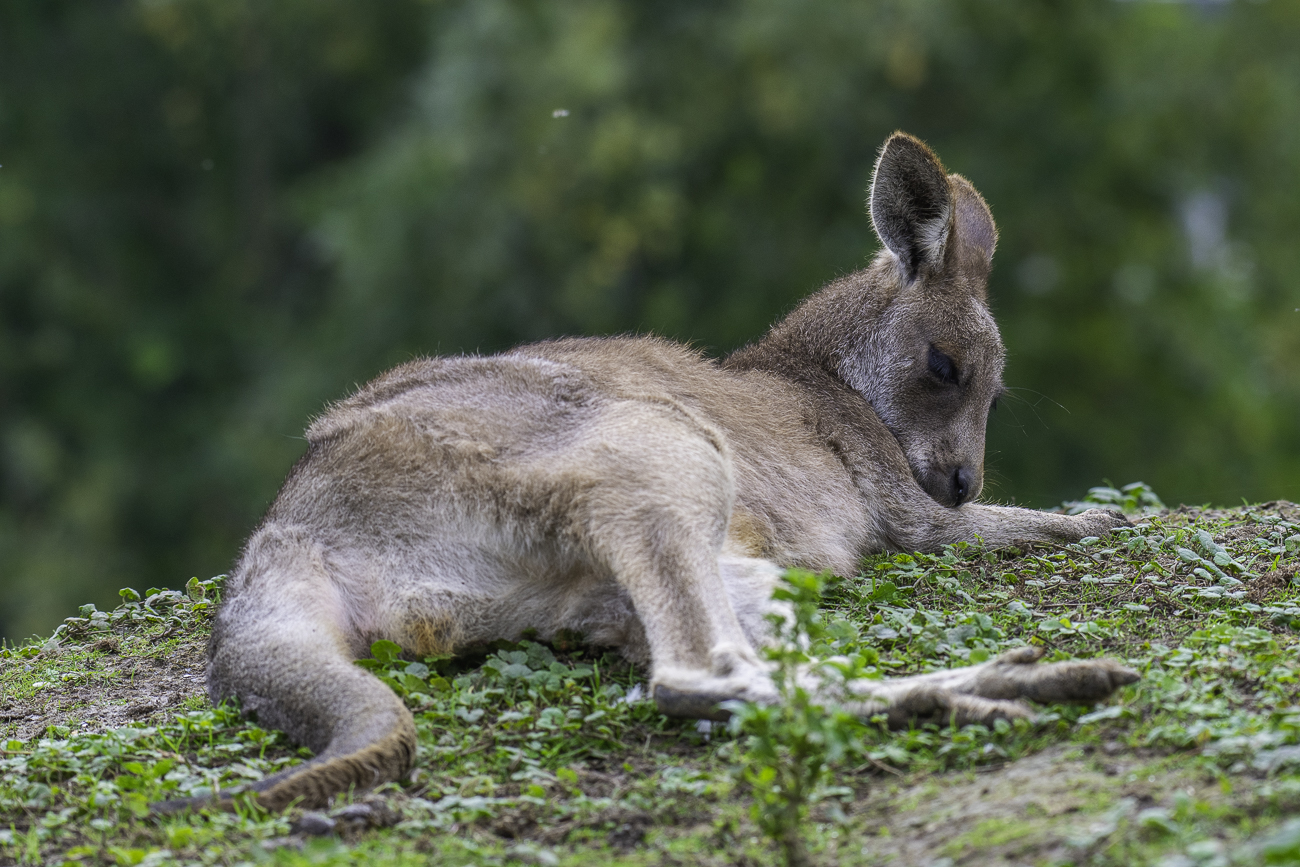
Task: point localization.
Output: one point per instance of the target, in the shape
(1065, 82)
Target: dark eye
(943, 367)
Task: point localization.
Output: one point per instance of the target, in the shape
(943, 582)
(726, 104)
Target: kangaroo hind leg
(282, 645)
(656, 519)
(993, 690)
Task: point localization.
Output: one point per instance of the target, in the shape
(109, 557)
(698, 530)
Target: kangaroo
(635, 491)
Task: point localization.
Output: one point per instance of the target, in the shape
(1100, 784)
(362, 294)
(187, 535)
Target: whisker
(1013, 421)
(1033, 405)
(1010, 392)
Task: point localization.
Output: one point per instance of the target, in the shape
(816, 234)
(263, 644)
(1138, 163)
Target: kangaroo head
(925, 350)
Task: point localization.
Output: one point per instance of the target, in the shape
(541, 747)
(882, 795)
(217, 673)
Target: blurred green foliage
(217, 215)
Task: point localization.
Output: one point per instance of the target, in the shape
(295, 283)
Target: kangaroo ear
(973, 226)
(911, 203)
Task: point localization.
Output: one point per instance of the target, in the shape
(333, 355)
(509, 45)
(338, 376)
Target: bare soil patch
(102, 688)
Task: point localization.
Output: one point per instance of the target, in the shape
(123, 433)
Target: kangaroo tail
(280, 645)
(359, 729)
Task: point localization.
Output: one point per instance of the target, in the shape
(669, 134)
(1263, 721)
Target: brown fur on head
(912, 332)
(928, 356)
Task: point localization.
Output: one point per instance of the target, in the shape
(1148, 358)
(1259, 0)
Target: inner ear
(911, 203)
(973, 226)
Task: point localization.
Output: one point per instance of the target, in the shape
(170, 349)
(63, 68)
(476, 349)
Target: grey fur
(639, 493)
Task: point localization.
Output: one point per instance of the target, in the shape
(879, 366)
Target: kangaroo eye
(943, 367)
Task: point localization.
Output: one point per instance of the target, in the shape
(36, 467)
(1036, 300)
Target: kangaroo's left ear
(911, 204)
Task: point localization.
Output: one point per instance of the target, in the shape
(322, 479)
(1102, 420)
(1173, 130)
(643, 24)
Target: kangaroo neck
(827, 337)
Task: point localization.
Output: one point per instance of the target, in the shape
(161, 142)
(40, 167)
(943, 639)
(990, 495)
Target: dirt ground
(104, 689)
(1051, 807)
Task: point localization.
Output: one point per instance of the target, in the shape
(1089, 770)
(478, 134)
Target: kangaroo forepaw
(1099, 522)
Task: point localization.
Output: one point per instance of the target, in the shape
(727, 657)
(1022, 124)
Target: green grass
(548, 755)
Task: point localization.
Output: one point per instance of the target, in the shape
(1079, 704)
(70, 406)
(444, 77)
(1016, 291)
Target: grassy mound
(551, 755)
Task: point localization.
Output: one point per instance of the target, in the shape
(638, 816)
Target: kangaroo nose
(961, 485)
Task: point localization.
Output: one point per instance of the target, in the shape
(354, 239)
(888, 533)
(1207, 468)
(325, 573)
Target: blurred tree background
(218, 215)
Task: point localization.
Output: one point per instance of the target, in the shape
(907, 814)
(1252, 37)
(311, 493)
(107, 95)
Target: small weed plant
(1136, 498)
(792, 745)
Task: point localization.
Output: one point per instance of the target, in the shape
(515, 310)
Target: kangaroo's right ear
(911, 203)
